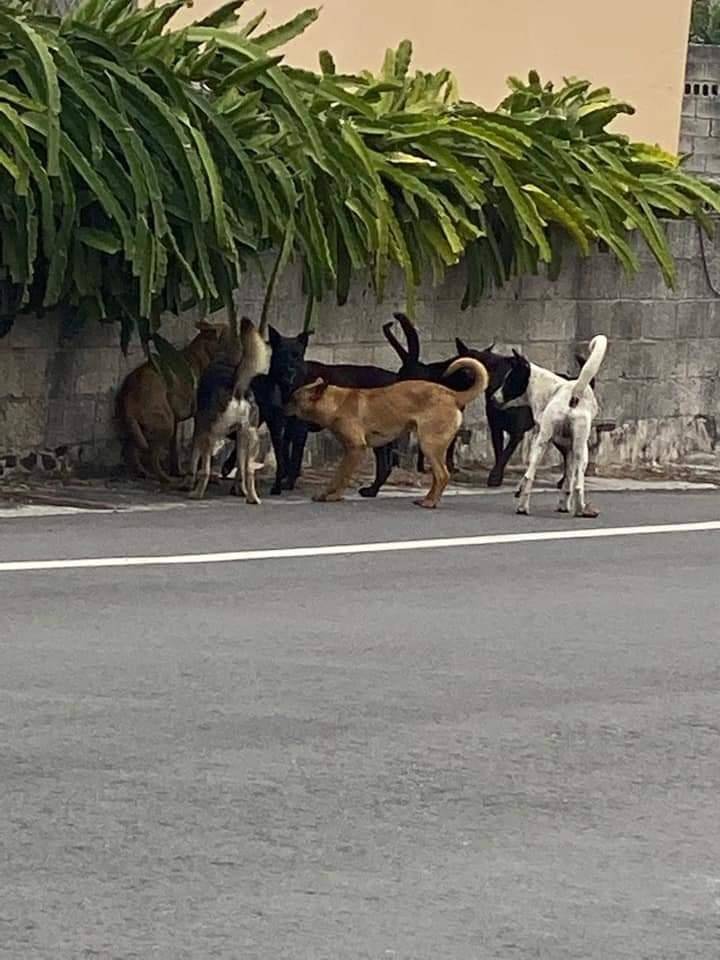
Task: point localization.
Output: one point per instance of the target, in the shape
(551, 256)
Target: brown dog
(373, 418)
(150, 406)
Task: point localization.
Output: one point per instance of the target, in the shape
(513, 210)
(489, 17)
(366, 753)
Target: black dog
(289, 370)
(413, 368)
(513, 421)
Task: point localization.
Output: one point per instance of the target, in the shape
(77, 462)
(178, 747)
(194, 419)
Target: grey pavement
(508, 751)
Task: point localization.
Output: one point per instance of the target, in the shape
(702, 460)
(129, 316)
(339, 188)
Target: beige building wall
(636, 47)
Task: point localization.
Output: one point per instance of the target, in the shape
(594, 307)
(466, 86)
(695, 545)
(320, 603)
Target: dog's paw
(427, 504)
(328, 497)
(195, 495)
(276, 492)
(368, 492)
(254, 501)
(589, 512)
(494, 479)
(522, 511)
(561, 508)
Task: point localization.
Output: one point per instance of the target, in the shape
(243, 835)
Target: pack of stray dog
(246, 384)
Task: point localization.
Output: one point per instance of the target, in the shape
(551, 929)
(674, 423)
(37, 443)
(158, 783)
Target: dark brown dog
(150, 406)
(374, 418)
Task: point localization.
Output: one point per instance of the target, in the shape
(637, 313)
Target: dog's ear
(462, 348)
(313, 391)
(517, 357)
(274, 337)
(304, 337)
(490, 348)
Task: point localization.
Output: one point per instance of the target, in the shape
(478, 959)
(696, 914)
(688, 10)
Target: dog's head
(287, 364)
(515, 381)
(497, 365)
(208, 340)
(306, 401)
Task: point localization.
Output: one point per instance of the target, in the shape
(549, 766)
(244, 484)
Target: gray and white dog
(225, 405)
(563, 411)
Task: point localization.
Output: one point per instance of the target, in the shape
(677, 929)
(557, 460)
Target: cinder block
(22, 424)
(105, 427)
(703, 358)
(320, 354)
(691, 397)
(711, 319)
(615, 365)
(658, 320)
(691, 283)
(643, 361)
(683, 238)
(697, 127)
(355, 353)
(95, 370)
(689, 109)
(593, 317)
(691, 318)
(695, 163)
(446, 324)
(708, 107)
(553, 320)
(627, 320)
(33, 332)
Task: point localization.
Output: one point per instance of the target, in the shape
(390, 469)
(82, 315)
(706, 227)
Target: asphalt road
(507, 751)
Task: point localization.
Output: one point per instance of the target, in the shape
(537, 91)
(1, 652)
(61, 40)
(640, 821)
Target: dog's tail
(480, 382)
(255, 357)
(395, 343)
(411, 336)
(598, 349)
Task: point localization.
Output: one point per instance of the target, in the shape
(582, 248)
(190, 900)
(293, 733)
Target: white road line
(350, 549)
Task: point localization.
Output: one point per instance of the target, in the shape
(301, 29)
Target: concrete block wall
(659, 382)
(700, 122)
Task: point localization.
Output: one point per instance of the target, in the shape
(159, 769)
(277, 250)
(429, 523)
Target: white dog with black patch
(563, 411)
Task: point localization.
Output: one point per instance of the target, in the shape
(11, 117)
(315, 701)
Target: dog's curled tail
(598, 349)
(480, 382)
(255, 357)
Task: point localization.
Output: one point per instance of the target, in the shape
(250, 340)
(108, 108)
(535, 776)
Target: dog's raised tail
(598, 349)
(480, 379)
(255, 357)
(411, 337)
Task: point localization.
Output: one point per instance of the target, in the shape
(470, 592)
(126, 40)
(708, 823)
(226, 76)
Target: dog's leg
(497, 438)
(201, 469)
(383, 469)
(175, 451)
(450, 455)
(299, 439)
(157, 466)
(348, 465)
(277, 425)
(537, 451)
(580, 455)
(230, 463)
(565, 485)
(134, 461)
(252, 448)
(239, 487)
(435, 449)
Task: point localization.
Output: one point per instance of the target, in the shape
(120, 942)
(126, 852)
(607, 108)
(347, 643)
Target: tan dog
(150, 407)
(373, 418)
